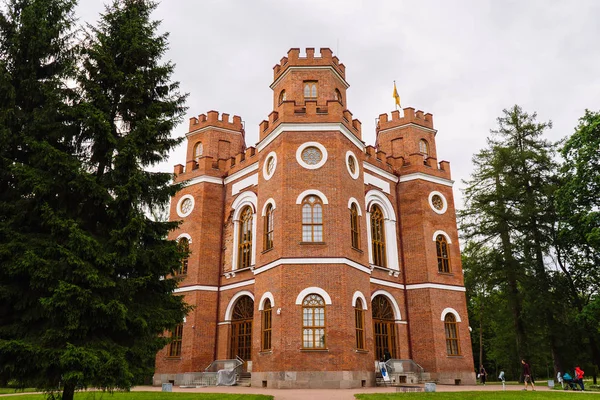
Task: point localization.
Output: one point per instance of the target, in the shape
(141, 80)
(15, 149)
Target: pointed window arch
(441, 245)
(359, 322)
(354, 226)
(384, 327)
(268, 228)
(245, 238)
(282, 96)
(312, 219)
(241, 328)
(313, 322)
(337, 95)
(310, 90)
(378, 236)
(423, 147)
(451, 328)
(267, 321)
(198, 150)
(184, 247)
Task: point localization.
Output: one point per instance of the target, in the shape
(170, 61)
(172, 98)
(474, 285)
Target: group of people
(570, 381)
(563, 379)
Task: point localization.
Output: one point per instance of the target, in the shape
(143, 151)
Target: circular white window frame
(266, 174)
(444, 208)
(349, 155)
(180, 202)
(311, 144)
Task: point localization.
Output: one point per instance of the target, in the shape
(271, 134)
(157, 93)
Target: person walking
(579, 376)
(482, 374)
(527, 375)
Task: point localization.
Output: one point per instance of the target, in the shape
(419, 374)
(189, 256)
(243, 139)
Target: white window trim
(311, 144)
(444, 208)
(313, 290)
(308, 192)
(391, 298)
(180, 202)
(265, 296)
(350, 154)
(391, 242)
(236, 296)
(351, 201)
(436, 233)
(358, 295)
(450, 311)
(184, 235)
(244, 199)
(266, 175)
(264, 209)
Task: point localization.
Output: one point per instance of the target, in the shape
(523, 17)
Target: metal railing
(408, 367)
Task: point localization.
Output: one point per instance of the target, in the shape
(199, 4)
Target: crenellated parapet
(212, 118)
(293, 59)
(218, 168)
(410, 117)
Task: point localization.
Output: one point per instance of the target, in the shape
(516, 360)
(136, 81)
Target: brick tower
(313, 255)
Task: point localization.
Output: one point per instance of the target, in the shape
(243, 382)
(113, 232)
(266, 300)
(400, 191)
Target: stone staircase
(243, 379)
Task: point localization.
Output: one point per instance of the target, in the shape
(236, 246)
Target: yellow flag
(396, 95)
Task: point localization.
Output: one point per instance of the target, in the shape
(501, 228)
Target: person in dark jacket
(482, 374)
(527, 375)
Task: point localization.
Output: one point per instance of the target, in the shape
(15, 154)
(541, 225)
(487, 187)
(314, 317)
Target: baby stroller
(569, 382)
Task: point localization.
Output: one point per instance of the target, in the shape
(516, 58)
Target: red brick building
(313, 253)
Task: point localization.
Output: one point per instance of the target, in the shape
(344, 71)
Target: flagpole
(395, 102)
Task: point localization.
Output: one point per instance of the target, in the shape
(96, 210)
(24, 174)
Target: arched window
(442, 253)
(245, 238)
(241, 329)
(424, 147)
(378, 236)
(338, 96)
(176, 337)
(198, 149)
(310, 90)
(359, 321)
(313, 322)
(282, 97)
(451, 327)
(312, 219)
(267, 314)
(268, 227)
(384, 327)
(184, 247)
(354, 228)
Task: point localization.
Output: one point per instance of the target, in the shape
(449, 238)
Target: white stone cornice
(436, 286)
(387, 283)
(202, 179)
(195, 288)
(287, 261)
(241, 173)
(300, 67)
(434, 131)
(210, 127)
(310, 127)
(237, 285)
(428, 178)
(380, 172)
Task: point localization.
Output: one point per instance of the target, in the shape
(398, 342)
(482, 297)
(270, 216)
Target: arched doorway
(384, 327)
(241, 329)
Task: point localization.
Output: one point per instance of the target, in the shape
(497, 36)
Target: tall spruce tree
(83, 294)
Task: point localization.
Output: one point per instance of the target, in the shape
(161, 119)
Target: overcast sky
(462, 61)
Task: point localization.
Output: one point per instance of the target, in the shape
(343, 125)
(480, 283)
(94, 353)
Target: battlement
(293, 59)
(207, 165)
(212, 118)
(410, 116)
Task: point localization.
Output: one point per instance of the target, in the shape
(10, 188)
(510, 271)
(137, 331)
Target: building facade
(313, 254)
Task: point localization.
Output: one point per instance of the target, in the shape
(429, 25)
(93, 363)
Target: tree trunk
(68, 392)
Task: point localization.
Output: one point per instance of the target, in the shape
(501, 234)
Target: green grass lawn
(470, 396)
(151, 396)
(13, 390)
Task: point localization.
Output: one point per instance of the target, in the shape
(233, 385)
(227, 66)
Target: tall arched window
(198, 149)
(282, 97)
(267, 314)
(184, 247)
(337, 95)
(423, 147)
(313, 322)
(354, 228)
(442, 253)
(310, 90)
(359, 321)
(245, 238)
(452, 345)
(378, 236)
(384, 327)
(176, 338)
(268, 228)
(241, 329)
(312, 219)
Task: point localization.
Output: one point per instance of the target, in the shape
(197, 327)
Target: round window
(185, 205)
(270, 165)
(312, 155)
(352, 165)
(437, 202)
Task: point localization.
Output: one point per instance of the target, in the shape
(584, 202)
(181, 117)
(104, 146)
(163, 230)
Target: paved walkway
(327, 394)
